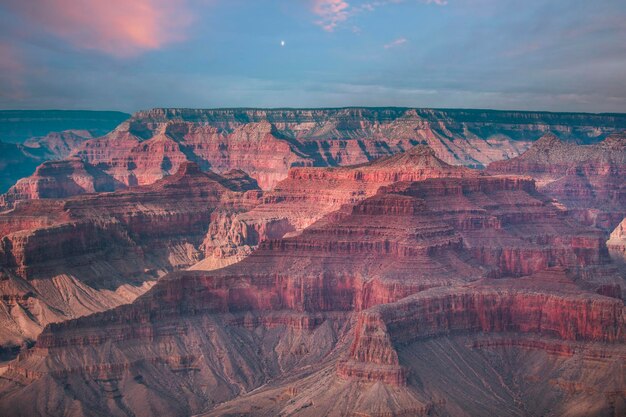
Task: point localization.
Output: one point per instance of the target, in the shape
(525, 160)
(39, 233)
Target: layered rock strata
(334, 311)
(308, 194)
(66, 258)
(267, 143)
(587, 179)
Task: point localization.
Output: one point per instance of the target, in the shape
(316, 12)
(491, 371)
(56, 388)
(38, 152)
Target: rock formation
(308, 194)
(587, 179)
(617, 241)
(16, 161)
(60, 179)
(267, 143)
(62, 258)
(59, 145)
(20, 160)
(374, 276)
(454, 292)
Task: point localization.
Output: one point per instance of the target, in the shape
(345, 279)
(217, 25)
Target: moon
(282, 43)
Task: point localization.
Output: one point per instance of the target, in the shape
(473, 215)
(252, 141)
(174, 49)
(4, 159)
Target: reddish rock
(93, 252)
(59, 145)
(20, 160)
(617, 241)
(60, 179)
(587, 179)
(267, 143)
(16, 162)
(520, 306)
(396, 287)
(308, 194)
(406, 265)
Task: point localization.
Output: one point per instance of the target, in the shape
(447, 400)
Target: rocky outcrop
(521, 306)
(267, 143)
(334, 309)
(16, 162)
(133, 155)
(617, 241)
(308, 194)
(19, 161)
(587, 179)
(60, 179)
(83, 254)
(59, 145)
(31, 137)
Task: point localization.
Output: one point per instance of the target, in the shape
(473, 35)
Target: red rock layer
(16, 162)
(19, 161)
(414, 261)
(587, 179)
(409, 237)
(521, 306)
(617, 241)
(132, 160)
(267, 143)
(89, 253)
(59, 145)
(60, 179)
(308, 194)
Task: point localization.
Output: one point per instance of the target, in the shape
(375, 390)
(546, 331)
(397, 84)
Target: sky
(127, 55)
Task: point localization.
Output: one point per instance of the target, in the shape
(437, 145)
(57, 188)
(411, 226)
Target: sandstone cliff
(267, 143)
(587, 179)
(617, 241)
(69, 257)
(343, 309)
(308, 194)
(19, 161)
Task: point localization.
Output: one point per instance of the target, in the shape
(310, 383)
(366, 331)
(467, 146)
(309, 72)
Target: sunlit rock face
(266, 144)
(587, 179)
(617, 242)
(67, 257)
(308, 194)
(404, 286)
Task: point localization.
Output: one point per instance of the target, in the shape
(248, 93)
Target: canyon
(340, 262)
(62, 258)
(588, 179)
(31, 137)
(266, 143)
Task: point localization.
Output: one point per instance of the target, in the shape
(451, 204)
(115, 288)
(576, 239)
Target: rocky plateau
(266, 144)
(345, 262)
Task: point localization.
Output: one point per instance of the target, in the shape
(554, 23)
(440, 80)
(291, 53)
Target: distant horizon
(132, 112)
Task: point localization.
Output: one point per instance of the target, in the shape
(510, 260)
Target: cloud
(334, 12)
(373, 5)
(395, 43)
(116, 27)
(331, 13)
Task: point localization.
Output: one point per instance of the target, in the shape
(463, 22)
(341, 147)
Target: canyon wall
(63, 258)
(267, 143)
(335, 309)
(586, 179)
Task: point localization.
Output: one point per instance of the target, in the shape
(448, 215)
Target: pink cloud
(331, 13)
(396, 43)
(116, 27)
